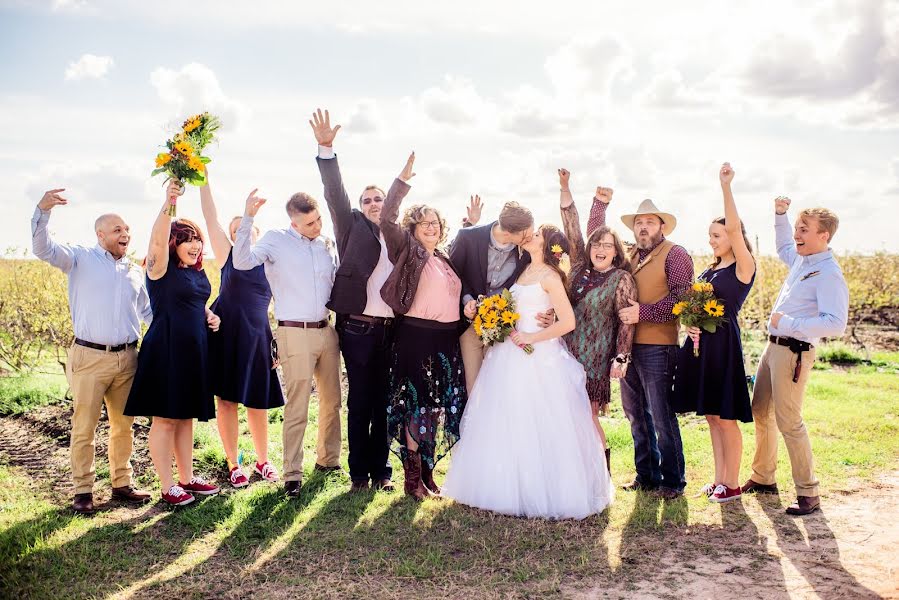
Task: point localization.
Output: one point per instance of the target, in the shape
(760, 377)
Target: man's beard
(653, 241)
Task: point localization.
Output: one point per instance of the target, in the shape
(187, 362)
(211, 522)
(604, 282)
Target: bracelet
(564, 191)
(622, 359)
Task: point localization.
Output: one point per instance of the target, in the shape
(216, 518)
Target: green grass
(332, 544)
(20, 393)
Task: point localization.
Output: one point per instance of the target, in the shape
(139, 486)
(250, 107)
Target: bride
(528, 446)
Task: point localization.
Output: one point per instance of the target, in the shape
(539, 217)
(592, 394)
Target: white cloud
(69, 5)
(364, 117)
(456, 102)
(89, 66)
(588, 65)
(195, 88)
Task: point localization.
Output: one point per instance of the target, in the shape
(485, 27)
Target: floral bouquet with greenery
(184, 162)
(698, 307)
(495, 319)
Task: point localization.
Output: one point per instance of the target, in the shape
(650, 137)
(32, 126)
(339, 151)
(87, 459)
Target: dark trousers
(365, 348)
(658, 451)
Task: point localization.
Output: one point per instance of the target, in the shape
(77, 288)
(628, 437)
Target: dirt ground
(849, 549)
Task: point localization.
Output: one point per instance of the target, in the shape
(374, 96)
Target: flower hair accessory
(557, 251)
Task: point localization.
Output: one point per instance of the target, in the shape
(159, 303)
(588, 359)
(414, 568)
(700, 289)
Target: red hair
(183, 231)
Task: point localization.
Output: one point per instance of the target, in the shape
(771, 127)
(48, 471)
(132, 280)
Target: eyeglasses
(376, 200)
(429, 224)
(602, 246)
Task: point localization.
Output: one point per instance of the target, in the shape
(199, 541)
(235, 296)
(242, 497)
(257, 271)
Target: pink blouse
(438, 293)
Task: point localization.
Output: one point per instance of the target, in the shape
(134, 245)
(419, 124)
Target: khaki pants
(306, 354)
(95, 376)
(472, 356)
(777, 406)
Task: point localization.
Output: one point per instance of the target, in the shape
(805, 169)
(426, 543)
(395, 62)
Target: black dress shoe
(636, 485)
(325, 469)
(292, 489)
(83, 504)
(804, 505)
(754, 487)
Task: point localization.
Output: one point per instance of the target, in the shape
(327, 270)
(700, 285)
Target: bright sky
(648, 98)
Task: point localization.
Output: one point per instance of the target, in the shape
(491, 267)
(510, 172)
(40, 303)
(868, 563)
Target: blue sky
(801, 97)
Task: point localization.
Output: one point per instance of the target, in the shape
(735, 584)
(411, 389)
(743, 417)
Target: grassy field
(328, 543)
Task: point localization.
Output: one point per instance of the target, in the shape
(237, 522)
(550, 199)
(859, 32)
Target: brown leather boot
(413, 485)
(131, 494)
(83, 504)
(804, 505)
(427, 478)
(609, 460)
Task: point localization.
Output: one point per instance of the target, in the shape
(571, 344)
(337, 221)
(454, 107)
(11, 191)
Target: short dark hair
(515, 218)
(301, 203)
(181, 232)
(368, 188)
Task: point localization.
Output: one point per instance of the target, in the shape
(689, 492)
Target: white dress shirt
(107, 297)
(814, 299)
(300, 271)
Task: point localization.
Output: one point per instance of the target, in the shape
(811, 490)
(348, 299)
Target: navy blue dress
(241, 350)
(714, 383)
(172, 379)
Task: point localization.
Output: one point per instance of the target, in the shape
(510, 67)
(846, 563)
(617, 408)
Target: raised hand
(52, 198)
(406, 174)
(564, 176)
(173, 190)
(726, 174)
(781, 205)
(254, 203)
(321, 127)
(474, 210)
(604, 194)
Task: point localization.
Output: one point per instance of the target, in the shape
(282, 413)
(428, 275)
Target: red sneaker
(176, 496)
(266, 471)
(725, 494)
(198, 486)
(238, 479)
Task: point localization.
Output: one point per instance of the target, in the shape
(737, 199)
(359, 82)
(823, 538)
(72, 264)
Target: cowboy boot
(413, 485)
(427, 478)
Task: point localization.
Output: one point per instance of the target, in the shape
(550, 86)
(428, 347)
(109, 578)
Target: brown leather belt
(302, 325)
(374, 320)
(797, 347)
(105, 347)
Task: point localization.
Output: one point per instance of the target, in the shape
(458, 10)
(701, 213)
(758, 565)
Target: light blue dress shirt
(299, 270)
(815, 298)
(107, 297)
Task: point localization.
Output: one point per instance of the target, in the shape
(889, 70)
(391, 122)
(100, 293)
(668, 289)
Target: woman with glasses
(426, 390)
(243, 370)
(600, 284)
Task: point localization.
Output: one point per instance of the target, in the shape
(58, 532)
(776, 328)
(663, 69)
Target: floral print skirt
(427, 387)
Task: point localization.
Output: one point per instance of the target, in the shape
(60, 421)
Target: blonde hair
(827, 220)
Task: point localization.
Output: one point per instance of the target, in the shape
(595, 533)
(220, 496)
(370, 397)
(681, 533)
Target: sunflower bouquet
(495, 319)
(183, 162)
(698, 307)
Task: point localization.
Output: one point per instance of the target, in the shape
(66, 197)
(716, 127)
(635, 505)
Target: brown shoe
(754, 487)
(130, 494)
(325, 469)
(384, 485)
(413, 484)
(804, 505)
(427, 478)
(357, 486)
(638, 486)
(84, 504)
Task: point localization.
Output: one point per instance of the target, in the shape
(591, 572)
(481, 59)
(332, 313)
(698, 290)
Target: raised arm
(571, 220)
(336, 198)
(395, 237)
(473, 212)
(60, 256)
(601, 202)
(221, 245)
(734, 228)
(158, 252)
(245, 255)
(783, 232)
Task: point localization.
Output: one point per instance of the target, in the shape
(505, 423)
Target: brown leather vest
(652, 286)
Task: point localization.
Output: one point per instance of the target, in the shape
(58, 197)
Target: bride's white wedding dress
(528, 445)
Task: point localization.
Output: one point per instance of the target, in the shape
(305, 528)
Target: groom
(488, 259)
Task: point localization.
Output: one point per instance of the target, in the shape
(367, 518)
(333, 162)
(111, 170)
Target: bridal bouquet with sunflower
(495, 319)
(183, 161)
(698, 307)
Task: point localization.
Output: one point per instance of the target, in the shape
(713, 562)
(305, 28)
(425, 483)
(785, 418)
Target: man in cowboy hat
(663, 271)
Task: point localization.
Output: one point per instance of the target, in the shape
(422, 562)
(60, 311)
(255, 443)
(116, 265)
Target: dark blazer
(358, 243)
(405, 252)
(468, 253)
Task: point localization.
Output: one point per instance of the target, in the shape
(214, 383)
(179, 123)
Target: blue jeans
(366, 350)
(658, 451)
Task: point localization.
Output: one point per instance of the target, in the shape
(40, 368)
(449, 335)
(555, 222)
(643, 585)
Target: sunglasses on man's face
(376, 200)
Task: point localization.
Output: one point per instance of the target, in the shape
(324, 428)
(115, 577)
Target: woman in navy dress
(242, 368)
(714, 383)
(171, 384)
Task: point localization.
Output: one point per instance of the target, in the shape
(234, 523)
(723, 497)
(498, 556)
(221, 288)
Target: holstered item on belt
(795, 346)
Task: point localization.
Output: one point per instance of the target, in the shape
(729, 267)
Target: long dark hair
(620, 261)
(723, 222)
(553, 236)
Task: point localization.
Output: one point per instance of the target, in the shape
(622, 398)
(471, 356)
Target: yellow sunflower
(678, 308)
(501, 303)
(556, 249)
(184, 148)
(191, 124)
(697, 287)
(477, 325)
(489, 301)
(162, 158)
(713, 308)
(508, 317)
(195, 163)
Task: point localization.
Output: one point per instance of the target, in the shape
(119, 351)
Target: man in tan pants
(107, 300)
(813, 303)
(300, 265)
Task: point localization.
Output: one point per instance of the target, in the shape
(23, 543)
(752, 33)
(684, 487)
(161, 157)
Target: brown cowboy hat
(648, 207)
